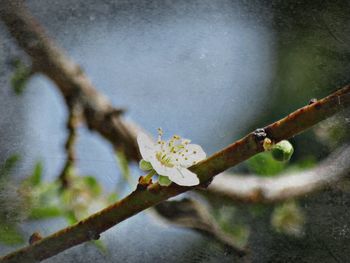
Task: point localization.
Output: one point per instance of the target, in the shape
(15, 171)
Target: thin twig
(146, 196)
(67, 170)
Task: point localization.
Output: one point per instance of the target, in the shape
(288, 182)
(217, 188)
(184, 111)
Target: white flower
(172, 158)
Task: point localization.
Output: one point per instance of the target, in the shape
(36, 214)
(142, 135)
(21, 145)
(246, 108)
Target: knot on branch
(312, 101)
(260, 134)
(93, 235)
(35, 237)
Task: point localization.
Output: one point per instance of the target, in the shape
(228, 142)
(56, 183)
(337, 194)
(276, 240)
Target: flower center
(169, 150)
(164, 159)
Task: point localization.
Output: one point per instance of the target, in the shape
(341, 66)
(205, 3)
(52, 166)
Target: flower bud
(282, 151)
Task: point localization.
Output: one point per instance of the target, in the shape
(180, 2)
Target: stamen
(160, 133)
(176, 137)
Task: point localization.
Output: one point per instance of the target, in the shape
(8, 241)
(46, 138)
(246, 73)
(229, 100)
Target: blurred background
(207, 70)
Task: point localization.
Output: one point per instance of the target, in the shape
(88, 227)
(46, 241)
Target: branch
(252, 189)
(74, 85)
(255, 189)
(146, 196)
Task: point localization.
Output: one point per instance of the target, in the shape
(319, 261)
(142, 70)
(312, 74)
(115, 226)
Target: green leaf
(70, 218)
(164, 180)
(36, 177)
(9, 164)
(239, 231)
(20, 77)
(264, 164)
(288, 218)
(93, 185)
(46, 193)
(10, 235)
(45, 212)
(66, 197)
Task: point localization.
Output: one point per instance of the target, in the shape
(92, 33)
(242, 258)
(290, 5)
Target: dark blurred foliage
(313, 60)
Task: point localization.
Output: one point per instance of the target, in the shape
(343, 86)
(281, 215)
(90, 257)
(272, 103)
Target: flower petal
(147, 147)
(160, 168)
(192, 154)
(183, 176)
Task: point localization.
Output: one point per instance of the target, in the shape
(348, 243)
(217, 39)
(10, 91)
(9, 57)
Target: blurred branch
(70, 79)
(191, 214)
(146, 196)
(255, 189)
